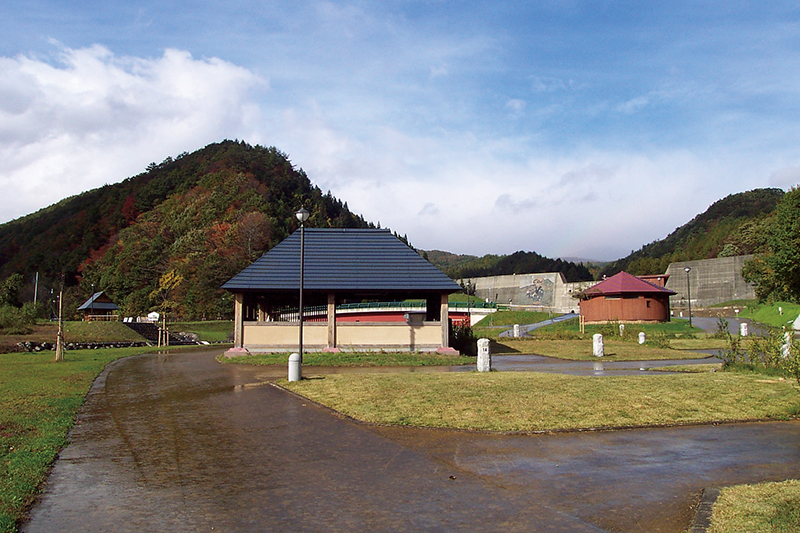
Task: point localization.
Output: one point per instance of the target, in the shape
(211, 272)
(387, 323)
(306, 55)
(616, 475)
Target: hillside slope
(730, 226)
(173, 233)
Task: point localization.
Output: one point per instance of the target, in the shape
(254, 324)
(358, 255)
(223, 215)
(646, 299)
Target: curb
(702, 518)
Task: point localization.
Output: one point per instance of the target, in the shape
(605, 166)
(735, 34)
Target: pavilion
(342, 266)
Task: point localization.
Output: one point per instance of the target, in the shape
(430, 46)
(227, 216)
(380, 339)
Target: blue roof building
(341, 266)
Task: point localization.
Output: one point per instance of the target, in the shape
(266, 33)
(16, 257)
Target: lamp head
(687, 269)
(302, 215)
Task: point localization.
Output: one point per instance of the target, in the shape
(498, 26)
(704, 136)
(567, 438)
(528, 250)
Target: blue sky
(569, 128)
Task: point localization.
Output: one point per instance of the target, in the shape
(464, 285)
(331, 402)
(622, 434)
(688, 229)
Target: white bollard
(622, 330)
(743, 329)
(516, 331)
(294, 367)
(642, 337)
(597, 345)
(484, 356)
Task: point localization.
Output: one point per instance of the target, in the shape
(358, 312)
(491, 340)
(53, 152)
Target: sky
(578, 129)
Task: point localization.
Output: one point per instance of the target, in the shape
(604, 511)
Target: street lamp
(302, 216)
(689, 294)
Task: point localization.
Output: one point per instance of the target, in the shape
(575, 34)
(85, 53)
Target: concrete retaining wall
(710, 282)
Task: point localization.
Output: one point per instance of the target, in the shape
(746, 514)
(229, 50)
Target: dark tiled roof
(358, 260)
(624, 283)
(99, 303)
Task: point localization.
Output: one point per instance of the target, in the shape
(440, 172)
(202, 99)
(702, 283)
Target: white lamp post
(302, 215)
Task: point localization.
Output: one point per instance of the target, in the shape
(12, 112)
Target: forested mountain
(470, 266)
(734, 225)
(169, 237)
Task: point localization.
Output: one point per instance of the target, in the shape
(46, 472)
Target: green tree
(9, 290)
(776, 273)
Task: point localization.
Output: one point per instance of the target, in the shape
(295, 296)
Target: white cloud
(89, 117)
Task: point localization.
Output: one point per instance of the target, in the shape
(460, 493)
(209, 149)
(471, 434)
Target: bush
(770, 353)
(17, 321)
(463, 339)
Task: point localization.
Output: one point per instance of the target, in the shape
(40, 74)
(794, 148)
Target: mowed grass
(527, 401)
(761, 508)
(38, 403)
(208, 330)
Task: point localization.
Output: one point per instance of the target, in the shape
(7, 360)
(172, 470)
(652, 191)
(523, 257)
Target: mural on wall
(537, 289)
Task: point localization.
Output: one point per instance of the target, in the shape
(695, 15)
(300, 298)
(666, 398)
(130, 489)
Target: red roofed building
(625, 298)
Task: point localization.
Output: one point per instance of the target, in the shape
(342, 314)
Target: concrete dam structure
(710, 282)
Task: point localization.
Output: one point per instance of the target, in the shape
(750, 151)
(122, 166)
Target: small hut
(99, 307)
(625, 298)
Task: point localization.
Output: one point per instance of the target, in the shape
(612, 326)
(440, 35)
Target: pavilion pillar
(331, 320)
(238, 320)
(445, 308)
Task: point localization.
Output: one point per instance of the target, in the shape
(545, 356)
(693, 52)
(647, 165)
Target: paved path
(180, 443)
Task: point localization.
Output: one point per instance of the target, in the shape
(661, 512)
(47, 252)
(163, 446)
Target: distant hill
(469, 266)
(172, 235)
(731, 226)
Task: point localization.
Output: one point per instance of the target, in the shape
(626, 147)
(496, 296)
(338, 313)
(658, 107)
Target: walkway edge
(702, 518)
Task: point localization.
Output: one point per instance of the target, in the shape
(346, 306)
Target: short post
(642, 337)
(484, 356)
(294, 367)
(597, 345)
(516, 331)
(786, 348)
(622, 330)
(743, 329)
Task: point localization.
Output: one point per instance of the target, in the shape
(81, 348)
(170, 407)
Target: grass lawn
(208, 330)
(529, 401)
(354, 359)
(38, 403)
(74, 331)
(762, 508)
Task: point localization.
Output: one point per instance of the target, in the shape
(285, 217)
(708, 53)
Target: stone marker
(642, 337)
(597, 345)
(516, 331)
(484, 356)
(743, 329)
(294, 367)
(622, 330)
(786, 348)
(796, 325)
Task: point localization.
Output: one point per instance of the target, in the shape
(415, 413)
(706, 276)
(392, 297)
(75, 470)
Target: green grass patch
(38, 402)
(761, 508)
(509, 318)
(208, 330)
(528, 401)
(355, 359)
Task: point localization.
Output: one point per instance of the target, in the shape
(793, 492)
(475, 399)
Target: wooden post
(443, 316)
(238, 320)
(331, 320)
(60, 335)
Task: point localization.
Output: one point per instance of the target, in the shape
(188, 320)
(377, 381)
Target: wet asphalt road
(181, 443)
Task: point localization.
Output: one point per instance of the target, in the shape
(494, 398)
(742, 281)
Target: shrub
(17, 321)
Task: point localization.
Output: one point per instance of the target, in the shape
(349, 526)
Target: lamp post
(91, 311)
(689, 294)
(302, 216)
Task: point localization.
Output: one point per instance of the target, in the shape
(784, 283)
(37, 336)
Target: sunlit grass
(762, 508)
(528, 401)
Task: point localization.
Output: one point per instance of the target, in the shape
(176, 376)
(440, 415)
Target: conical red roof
(624, 283)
